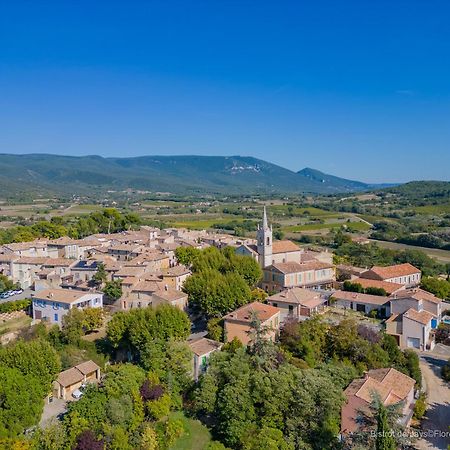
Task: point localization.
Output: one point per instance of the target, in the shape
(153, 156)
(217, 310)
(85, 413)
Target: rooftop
(284, 247)
(298, 295)
(399, 270)
(60, 295)
(423, 317)
(361, 298)
(245, 313)
(203, 346)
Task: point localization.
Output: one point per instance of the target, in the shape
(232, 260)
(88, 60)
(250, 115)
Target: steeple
(264, 242)
(265, 224)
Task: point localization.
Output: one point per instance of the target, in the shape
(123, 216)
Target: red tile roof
(245, 313)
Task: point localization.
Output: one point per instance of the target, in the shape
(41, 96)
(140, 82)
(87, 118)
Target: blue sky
(356, 88)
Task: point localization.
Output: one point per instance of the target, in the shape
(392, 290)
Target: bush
(18, 305)
(445, 371)
(157, 409)
(421, 406)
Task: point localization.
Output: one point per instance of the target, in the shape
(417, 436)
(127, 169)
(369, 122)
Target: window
(275, 304)
(56, 317)
(291, 309)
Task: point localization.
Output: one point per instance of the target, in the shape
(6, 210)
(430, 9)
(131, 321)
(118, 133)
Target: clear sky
(356, 88)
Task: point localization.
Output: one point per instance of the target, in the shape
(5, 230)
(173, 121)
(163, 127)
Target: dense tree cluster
(107, 220)
(254, 397)
(221, 280)
(27, 370)
(315, 342)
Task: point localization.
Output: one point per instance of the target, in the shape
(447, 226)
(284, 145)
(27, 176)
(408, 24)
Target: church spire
(265, 223)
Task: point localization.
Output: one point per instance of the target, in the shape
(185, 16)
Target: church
(267, 252)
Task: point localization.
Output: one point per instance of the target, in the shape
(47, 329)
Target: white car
(76, 394)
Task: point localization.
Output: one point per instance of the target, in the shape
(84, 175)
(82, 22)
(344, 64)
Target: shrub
(157, 409)
(445, 371)
(421, 406)
(18, 305)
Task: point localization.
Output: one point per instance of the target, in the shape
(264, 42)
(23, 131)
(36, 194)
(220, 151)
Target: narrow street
(437, 417)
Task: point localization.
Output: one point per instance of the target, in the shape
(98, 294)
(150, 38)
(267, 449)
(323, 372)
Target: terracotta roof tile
(284, 247)
(245, 313)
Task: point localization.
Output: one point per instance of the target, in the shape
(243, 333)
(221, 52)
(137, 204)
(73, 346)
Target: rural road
(437, 418)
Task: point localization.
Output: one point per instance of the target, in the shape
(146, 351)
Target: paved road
(437, 418)
(25, 294)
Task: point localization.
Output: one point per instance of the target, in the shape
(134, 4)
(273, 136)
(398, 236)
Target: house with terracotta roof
(390, 385)
(74, 378)
(175, 276)
(238, 324)
(51, 305)
(417, 299)
(313, 274)
(412, 329)
(36, 248)
(405, 274)
(297, 303)
(364, 303)
(202, 349)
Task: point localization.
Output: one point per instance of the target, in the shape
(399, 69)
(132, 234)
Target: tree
(186, 255)
(440, 288)
(21, 401)
(72, 325)
(93, 319)
(87, 441)
(100, 275)
(113, 289)
(384, 440)
(37, 358)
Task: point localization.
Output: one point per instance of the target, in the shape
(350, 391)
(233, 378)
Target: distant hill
(176, 174)
(438, 191)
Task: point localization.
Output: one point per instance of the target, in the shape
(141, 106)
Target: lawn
(196, 437)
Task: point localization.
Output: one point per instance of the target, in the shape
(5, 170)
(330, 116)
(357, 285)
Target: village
(142, 270)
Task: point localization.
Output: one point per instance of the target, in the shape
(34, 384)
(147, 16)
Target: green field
(299, 211)
(356, 226)
(196, 436)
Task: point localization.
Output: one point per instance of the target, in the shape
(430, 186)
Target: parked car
(17, 291)
(76, 394)
(4, 295)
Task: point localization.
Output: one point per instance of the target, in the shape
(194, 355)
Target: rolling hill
(32, 173)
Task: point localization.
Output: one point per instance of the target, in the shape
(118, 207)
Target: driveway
(52, 411)
(437, 418)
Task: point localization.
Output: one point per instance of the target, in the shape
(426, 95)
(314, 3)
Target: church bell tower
(264, 244)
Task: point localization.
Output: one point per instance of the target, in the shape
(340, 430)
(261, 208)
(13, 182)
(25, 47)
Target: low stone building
(72, 379)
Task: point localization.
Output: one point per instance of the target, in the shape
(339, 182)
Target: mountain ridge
(188, 174)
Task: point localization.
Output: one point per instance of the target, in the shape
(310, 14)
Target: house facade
(52, 305)
(297, 303)
(314, 274)
(363, 303)
(202, 349)
(404, 274)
